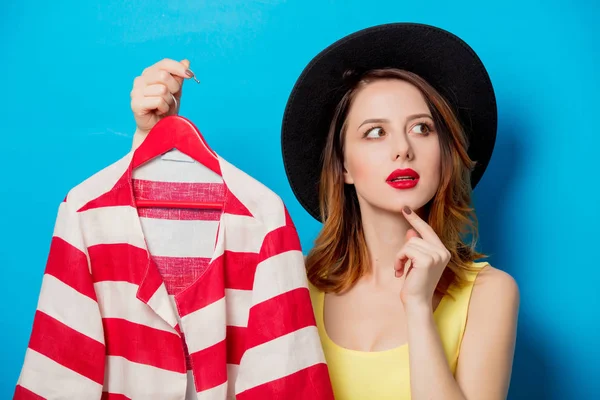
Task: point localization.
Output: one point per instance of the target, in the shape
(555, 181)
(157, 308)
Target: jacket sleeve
(65, 355)
(283, 358)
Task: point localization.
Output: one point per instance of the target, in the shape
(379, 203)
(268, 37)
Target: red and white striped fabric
(173, 304)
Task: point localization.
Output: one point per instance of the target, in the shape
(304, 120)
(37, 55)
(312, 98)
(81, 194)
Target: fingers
(159, 86)
(179, 69)
(161, 77)
(189, 73)
(420, 254)
(161, 104)
(167, 72)
(439, 255)
(417, 257)
(157, 89)
(157, 92)
(422, 245)
(402, 266)
(421, 226)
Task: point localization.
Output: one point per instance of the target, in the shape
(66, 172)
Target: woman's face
(391, 147)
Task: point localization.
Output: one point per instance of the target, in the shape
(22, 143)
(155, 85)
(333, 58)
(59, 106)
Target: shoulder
(495, 296)
(99, 183)
(492, 282)
(264, 204)
(488, 342)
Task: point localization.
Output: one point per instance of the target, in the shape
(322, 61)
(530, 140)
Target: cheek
(429, 162)
(435, 161)
(361, 165)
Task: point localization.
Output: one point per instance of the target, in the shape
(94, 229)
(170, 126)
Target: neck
(385, 234)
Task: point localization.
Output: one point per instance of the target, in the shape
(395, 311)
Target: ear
(347, 176)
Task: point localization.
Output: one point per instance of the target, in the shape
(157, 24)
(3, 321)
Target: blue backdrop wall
(67, 69)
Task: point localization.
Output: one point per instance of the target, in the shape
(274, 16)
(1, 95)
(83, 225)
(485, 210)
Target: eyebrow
(415, 116)
(384, 120)
(374, 121)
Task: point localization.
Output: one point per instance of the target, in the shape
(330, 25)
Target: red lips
(403, 179)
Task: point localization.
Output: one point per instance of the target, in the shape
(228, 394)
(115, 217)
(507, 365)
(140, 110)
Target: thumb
(186, 65)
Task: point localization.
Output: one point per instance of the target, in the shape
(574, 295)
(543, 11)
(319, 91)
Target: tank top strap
(316, 297)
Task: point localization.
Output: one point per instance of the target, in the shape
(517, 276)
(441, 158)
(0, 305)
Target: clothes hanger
(176, 132)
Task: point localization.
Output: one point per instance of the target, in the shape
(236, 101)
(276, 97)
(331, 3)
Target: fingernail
(189, 73)
(407, 210)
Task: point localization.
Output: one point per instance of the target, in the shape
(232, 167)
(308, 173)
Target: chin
(414, 204)
(394, 207)
(395, 201)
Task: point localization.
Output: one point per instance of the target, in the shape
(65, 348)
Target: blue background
(67, 69)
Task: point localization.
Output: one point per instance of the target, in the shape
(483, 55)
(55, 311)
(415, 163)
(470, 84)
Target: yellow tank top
(358, 375)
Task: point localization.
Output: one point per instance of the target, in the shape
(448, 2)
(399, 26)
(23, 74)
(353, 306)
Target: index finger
(426, 231)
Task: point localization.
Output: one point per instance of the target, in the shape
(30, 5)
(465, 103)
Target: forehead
(388, 96)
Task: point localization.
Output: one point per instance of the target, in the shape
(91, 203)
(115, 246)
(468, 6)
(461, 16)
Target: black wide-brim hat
(445, 61)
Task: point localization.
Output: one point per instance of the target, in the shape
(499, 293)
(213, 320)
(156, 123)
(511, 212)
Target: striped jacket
(107, 327)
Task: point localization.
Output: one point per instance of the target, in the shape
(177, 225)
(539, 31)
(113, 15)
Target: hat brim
(445, 61)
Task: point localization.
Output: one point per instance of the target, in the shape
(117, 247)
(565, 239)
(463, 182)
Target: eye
(374, 133)
(422, 129)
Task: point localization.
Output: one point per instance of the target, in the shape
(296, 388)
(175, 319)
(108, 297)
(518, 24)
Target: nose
(401, 148)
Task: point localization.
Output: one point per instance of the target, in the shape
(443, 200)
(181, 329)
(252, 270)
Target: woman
(385, 134)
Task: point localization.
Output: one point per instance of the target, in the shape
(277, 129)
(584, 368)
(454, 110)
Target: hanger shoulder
(176, 132)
